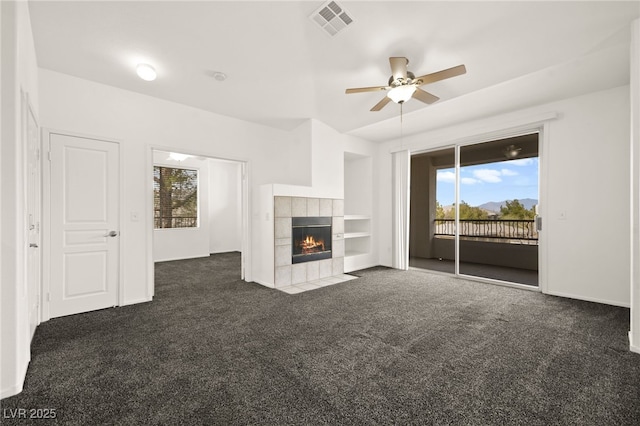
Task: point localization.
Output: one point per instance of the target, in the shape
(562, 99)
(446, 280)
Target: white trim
(16, 388)
(246, 252)
(26, 110)
(632, 346)
(634, 225)
(171, 259)
(150, 274)
(587, 299)
(543, 191)
(121, 224)
(264, 283)
(136, 301)
(456, 196)
(45, 137)
(487, 130)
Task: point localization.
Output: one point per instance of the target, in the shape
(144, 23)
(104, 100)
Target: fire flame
(311, 245)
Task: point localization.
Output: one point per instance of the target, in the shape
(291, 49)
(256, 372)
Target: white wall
(225, 206)
(322, 152)
(18, 73)
(142, 122)
(585, 163)
(634, 93)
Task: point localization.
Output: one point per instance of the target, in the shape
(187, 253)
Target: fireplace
(310, 239)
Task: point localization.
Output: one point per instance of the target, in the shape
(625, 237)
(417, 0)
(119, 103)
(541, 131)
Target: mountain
(494, 206)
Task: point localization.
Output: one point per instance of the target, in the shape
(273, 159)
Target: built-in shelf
(356, 235)
(356, 217)
(358, 205)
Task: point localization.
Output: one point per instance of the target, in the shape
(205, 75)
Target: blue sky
(504, 180)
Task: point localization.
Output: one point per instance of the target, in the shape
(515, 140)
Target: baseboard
(11, 391)
(632, 347)
(16, 388)
(136, 301)
(588, 299)
(180, 258)
(264, 283)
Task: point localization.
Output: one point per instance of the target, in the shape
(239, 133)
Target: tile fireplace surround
(285, 208)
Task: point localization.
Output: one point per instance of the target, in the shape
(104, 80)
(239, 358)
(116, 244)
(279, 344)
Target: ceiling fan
(404, 85)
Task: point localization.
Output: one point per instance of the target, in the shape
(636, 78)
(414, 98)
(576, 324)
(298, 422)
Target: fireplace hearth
(310, 239)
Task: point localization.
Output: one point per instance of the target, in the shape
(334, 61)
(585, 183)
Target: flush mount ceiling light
(220, 76)
(146, 72)
(178, 157)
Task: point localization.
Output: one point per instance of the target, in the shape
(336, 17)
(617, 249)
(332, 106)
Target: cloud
(443, 176)
(468, 181)
(520, 162)
(450, 177)
(508, 172)
(487, 175)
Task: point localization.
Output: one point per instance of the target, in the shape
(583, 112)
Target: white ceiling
(283, 69)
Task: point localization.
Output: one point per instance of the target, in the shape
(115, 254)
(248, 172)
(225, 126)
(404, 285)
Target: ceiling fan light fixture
(400, 94)
(512, 152)
(146, 72)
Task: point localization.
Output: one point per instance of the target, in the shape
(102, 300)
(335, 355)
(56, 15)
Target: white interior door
(84, 224)
(34, 274)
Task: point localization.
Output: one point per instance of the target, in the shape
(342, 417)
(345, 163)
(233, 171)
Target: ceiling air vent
(331, 17)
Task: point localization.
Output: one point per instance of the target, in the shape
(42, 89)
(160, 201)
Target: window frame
(198, 196)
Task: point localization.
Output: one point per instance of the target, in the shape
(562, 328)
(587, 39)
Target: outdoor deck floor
(512, 275)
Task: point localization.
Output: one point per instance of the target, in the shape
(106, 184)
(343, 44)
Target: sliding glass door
(486, 228)
(498, 202)
(432, 220)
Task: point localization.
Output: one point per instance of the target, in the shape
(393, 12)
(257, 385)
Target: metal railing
(176, 222)
(497, 229)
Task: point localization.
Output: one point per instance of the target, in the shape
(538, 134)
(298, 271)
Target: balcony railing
(498, 229)
(176, 222)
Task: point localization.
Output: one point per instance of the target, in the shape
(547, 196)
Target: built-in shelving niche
(358, 206)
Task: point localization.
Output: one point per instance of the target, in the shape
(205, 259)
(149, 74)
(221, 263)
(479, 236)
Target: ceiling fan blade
(381, 104)
(366, 89)
(398, 67)
(441, 75)
(425, 97)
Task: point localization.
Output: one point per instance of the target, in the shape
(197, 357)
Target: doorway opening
(199, 207)
(474, 208)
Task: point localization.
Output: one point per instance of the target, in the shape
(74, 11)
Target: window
(175, 197)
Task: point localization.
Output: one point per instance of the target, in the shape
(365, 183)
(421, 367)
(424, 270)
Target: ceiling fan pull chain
(401, 130)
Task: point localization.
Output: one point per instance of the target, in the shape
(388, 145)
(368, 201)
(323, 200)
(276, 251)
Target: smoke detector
(332, 18)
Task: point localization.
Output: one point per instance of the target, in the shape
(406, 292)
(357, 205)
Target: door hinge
(538, 223)
(48, 297)
(49, 155)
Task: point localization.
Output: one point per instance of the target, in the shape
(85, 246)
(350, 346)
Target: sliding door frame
(540, 127)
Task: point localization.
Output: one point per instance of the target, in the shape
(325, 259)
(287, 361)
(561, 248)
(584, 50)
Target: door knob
(33, 245)
(112, 234)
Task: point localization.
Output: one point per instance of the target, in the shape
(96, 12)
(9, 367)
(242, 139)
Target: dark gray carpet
(390, 347)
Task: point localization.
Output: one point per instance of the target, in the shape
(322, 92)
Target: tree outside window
(175, 197)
